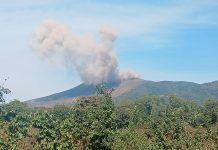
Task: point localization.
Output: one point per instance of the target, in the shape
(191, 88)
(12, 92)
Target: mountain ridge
(133, 89)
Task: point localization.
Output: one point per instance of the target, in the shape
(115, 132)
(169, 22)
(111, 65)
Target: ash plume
(94, 60)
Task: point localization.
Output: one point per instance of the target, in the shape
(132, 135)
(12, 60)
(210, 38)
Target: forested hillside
(150, 122)
(181, 89)
(132, 89)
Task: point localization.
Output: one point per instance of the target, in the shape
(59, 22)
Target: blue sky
(161, 40)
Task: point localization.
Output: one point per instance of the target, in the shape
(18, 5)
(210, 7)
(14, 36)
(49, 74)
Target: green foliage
(3, 91)
(94, 122)
(131, 139)
(211, 110)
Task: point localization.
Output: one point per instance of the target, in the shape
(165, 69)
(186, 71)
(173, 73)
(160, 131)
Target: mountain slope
(63, 97)
(133, 89)
(69, 96)
(186, 90)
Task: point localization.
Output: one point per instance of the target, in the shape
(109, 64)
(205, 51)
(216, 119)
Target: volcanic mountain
(132, 89)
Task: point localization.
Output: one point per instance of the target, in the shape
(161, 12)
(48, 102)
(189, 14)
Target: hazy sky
(161, 40)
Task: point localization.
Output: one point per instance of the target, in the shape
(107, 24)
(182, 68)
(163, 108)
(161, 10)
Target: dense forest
(149, 122)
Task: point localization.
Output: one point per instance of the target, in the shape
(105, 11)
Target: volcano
(69, 96)
(132, 89)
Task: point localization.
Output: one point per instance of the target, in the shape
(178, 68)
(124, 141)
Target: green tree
(92, 122)
(211, 110)
(3, 91)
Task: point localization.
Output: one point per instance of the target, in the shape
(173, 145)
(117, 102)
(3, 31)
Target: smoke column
(94, 60)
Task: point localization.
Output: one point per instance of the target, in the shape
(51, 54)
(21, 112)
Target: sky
(174, 40)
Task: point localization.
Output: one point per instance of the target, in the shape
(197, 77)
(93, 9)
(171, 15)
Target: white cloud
(130, 19)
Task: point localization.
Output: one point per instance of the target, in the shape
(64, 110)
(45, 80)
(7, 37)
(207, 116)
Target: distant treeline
(96, 123)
